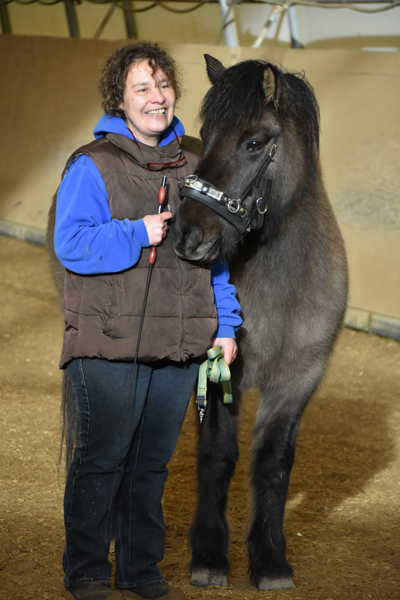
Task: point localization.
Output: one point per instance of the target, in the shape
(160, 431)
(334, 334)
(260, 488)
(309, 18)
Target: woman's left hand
(229, 347)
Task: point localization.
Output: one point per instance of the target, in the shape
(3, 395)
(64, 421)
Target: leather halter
(232, 209)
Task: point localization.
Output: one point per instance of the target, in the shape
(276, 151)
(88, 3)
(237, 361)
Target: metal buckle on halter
(272, 152)
(234, 205)
(261, 206)
(217, 194)
(193, 182)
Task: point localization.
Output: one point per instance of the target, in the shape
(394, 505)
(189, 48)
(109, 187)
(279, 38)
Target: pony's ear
(214, 67)
(274, 89)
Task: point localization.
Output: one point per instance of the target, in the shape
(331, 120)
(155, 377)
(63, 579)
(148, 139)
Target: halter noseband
(232, 209)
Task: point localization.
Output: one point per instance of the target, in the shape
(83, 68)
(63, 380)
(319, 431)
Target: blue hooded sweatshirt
(84, 220)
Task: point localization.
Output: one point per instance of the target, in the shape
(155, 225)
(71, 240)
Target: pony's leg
(217, 457)
(273, 461)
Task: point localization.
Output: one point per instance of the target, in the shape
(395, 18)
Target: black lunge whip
(162, 192)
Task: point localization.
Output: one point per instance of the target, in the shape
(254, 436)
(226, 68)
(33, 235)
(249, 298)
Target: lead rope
(216, 370)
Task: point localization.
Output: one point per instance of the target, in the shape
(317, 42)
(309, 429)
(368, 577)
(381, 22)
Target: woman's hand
(157, 226)
(229, 347)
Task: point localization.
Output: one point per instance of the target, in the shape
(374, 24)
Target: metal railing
(227, 10)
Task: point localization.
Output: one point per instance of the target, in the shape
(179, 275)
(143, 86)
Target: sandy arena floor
(342, 517)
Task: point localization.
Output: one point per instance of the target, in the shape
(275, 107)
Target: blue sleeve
(87, 240)
(228, 308)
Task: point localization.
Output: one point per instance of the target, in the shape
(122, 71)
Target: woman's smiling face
(149, 102)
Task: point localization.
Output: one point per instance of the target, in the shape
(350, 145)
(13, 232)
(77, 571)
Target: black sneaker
(92, 591)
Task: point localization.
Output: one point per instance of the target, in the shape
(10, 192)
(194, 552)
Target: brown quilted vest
(102, 312)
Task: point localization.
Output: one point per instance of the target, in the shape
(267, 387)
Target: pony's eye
(254, 146)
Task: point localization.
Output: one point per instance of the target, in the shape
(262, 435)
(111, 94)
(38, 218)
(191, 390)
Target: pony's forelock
(238, 98)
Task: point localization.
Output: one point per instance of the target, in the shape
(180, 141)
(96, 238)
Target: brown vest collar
(159, 157)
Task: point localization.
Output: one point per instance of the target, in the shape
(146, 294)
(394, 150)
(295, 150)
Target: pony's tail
(70, 421)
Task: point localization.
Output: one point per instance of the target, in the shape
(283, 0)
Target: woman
(106, 220)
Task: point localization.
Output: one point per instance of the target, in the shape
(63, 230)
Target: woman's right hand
(157, 227)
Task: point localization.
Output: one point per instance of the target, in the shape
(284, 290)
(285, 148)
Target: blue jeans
(142, 440)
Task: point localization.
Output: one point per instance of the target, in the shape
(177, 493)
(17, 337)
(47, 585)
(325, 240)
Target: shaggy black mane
(238, 97)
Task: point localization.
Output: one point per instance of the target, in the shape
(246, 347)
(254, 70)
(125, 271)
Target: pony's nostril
(193, 239)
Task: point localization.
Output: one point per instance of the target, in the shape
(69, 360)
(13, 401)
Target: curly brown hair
(113, 76)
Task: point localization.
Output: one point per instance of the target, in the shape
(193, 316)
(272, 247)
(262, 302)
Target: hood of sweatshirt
(109, 124)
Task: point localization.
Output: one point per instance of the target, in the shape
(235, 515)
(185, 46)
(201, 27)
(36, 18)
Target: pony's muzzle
(189, 244)
(193, 239)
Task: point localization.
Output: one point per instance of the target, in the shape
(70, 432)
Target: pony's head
(260, 133)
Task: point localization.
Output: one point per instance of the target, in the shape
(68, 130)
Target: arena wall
(49, 105)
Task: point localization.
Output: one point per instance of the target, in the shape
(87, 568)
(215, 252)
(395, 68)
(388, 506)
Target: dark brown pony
(287, 260)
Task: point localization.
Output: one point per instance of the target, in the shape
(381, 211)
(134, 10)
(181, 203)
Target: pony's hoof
(204, 579)
(270, 583)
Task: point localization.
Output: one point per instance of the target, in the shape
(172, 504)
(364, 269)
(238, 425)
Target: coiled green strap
(216, 370)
